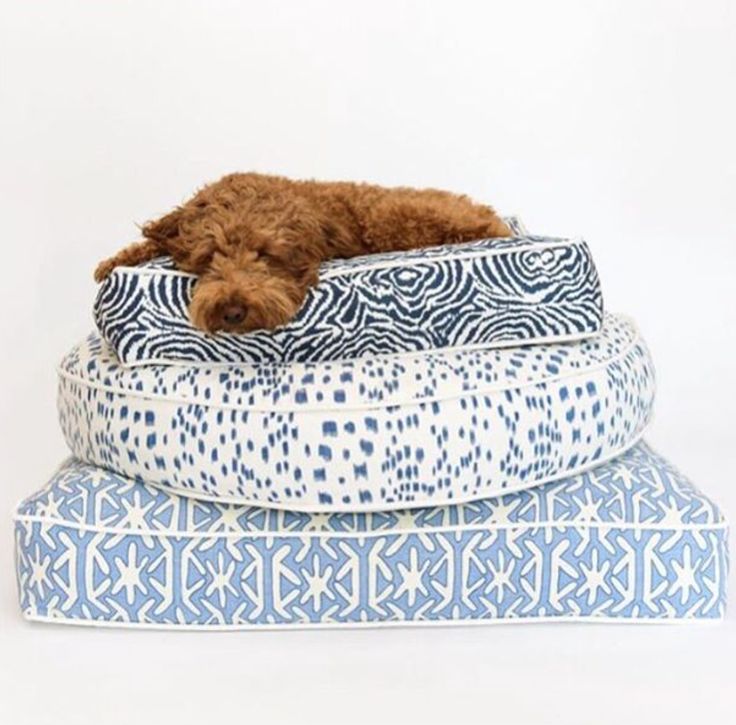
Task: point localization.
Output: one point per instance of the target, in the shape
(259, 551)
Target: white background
(614, 120)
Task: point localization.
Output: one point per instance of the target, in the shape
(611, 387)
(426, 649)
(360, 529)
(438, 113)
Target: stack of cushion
(439, 436)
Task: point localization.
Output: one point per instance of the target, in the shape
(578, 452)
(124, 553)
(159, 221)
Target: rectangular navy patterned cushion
(631, 540)
(488, 293)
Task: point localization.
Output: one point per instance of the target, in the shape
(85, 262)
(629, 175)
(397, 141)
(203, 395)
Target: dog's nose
(234, 314)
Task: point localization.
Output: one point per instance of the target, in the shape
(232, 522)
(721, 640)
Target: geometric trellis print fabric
(631, 540)
(372, 434)
(488, 293)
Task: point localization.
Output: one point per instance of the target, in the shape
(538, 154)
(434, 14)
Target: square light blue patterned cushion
(489, 293)
(631, 540)
(370, 434)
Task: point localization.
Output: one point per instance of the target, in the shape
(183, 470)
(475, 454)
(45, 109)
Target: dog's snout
(234, 314)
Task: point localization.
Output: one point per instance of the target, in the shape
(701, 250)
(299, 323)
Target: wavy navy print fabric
(493, 292)
(369, 434)
(631, 540)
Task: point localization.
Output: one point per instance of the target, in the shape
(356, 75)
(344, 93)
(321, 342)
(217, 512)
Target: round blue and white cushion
(375, 433)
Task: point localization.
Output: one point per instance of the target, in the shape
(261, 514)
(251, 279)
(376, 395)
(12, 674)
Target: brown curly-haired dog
(257, 241)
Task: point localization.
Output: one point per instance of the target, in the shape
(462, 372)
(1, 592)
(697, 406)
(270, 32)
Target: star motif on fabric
(319, 522)
(50, 508)
(595, 577)
(404, 519)
(500, 577)
(588, 509)
(671, 514)
(503, 508)
(221, 579)
(685, 581)
(129, 574)
(411, 577)
(230, 518)
(96, 476)
(317, 584)
(136, 511)
(39, 570)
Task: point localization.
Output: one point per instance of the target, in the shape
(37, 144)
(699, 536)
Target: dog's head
(251, 290)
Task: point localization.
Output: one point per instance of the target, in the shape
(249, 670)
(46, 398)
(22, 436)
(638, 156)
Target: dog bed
(371, 434)
(495, 292)
(630, 541)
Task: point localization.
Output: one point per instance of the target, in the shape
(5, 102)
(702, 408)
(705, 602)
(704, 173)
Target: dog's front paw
(104, 269)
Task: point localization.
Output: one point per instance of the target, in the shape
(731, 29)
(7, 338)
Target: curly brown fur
(256, 241)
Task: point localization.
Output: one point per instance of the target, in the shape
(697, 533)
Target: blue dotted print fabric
(489, 293)
(377, 433)
(631, 540)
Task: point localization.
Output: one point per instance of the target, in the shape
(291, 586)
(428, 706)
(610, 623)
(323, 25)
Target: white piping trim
(636, 340)
(374, 534)
(387, 264)
(542, 619)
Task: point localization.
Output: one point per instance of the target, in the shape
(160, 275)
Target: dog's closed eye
(277, 248)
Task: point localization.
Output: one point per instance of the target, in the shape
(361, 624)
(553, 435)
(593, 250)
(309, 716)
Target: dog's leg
(166, 226)
(481, 227)
(131, 256)
(428, 219)
(462, 220)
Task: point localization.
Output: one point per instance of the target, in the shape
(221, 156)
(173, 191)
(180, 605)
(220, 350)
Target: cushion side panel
(66, 574)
